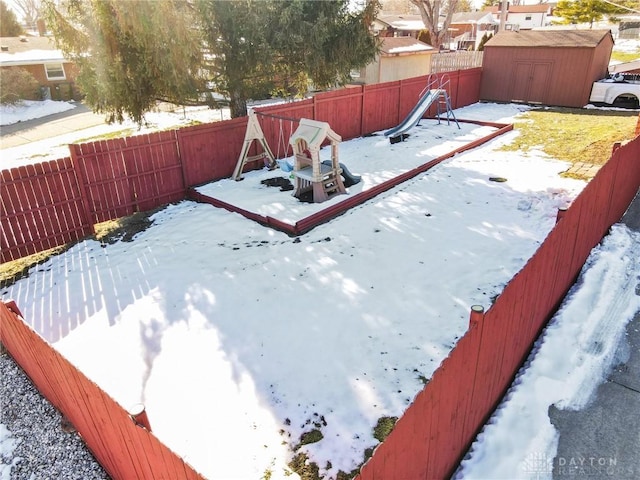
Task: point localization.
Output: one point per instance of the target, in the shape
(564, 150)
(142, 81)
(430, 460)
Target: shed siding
(546, 75)
(402, 67)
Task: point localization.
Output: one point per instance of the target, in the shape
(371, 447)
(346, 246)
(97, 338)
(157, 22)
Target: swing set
(322, 180)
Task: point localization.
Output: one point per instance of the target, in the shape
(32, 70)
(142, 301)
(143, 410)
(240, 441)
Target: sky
(339, 327)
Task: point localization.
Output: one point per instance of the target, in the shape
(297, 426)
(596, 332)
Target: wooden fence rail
(53, 203)
(452, 61)
(437, 429)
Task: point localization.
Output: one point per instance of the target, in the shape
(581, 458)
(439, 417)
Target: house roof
(540, 8)
(403, 45)
(473, 17)
(28, 50)
(549, 38)
(403, 22)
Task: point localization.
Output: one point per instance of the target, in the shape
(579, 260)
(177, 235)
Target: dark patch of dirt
(284, 183)
(124, 229)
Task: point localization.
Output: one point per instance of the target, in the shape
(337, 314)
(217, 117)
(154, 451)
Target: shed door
(530, 81)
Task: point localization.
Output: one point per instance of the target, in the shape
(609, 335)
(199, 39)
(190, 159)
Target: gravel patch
(35, 440)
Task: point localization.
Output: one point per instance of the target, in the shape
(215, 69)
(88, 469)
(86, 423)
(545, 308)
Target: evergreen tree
(130, 54)
(9, 26)
(274, 46)
(485, 38)
(588, 11)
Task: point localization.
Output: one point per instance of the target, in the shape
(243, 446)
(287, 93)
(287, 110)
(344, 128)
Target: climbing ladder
(444, 102)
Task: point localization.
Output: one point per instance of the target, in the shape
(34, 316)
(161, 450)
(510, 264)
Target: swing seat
(285, 166)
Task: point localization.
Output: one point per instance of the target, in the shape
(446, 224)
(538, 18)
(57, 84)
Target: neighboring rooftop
(403, 22)
(473, 17)
(549, 38)
(26, 50)
(400, 45)
(539, 8)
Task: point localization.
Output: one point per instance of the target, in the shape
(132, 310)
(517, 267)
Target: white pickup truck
(620, 90)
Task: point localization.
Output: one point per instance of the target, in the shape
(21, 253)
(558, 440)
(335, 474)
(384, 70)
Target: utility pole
(503, 14)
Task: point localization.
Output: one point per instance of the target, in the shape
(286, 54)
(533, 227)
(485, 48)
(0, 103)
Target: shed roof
(403, 45)
(549, 38)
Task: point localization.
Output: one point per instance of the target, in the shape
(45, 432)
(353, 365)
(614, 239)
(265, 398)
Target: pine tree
(130, 54)
(133, 53)
(485, 38)
(274, 46)
(9, 26)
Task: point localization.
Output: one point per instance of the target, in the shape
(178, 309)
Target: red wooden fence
(437, 429)
(41, 207)
(124, 449)
(54, 203)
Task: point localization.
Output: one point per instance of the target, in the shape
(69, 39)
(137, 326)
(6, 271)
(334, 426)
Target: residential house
(398, 25)
(468, 28)
(39, 56)
(399, 58)
(524, 17)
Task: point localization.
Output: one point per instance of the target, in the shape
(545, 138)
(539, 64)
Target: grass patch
(121, 230)
(11, 272)
(125, 132)
(625, 56)
(304, 468)
(124, 229)
(384, 427)
(572, 134)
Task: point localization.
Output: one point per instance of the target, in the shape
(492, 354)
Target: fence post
(74, 151)
(476, 316)
(561, 213)
(139, 416)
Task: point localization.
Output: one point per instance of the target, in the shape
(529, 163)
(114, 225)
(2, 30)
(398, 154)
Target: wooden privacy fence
(53, 203)
(437, 429)
(451, 61)
(124, 448)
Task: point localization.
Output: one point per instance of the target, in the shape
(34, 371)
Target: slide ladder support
(444, 103)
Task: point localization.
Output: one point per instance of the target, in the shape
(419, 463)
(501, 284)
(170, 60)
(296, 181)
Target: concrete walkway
(602, 441)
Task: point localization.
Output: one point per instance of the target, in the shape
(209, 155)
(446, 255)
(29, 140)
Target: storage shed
(549, 67)
(399, 58)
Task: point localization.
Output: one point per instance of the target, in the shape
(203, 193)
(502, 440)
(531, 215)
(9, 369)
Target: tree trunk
(237, 105)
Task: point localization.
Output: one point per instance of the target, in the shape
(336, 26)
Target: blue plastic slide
(416, 114)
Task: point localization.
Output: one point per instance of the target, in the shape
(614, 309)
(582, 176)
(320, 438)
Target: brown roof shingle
(549, 38)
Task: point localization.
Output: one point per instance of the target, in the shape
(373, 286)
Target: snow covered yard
(241, 341)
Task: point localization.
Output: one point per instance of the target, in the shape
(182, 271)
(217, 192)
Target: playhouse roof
(314, 133)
